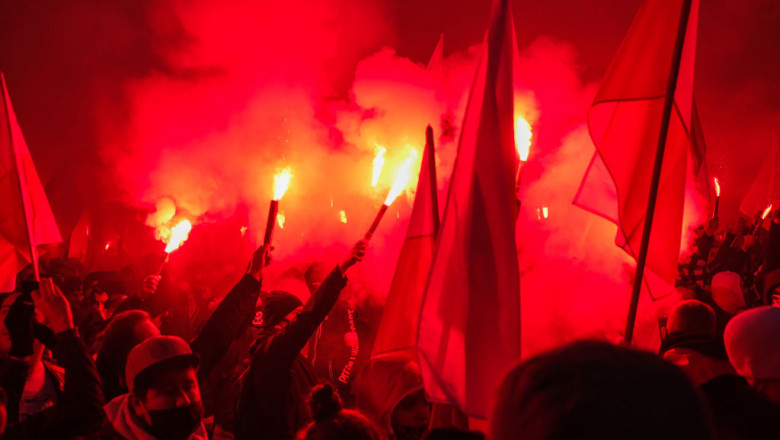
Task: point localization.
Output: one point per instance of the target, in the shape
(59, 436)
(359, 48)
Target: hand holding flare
(281, 183)
(401, 182)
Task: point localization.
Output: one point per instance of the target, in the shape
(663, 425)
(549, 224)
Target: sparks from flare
(403, 177)
(281, 183)
(179, 234)
(379, 163)
(280, 219)
(523, 135)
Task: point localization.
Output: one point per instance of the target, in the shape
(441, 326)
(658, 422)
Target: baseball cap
(154, 351)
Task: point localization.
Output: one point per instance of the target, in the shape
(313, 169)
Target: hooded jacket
(122, 423)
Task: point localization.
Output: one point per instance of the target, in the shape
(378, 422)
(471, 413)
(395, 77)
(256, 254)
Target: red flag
(397, 334)
(469, 330)
(624, 124)
(27, 220)
(765, 188)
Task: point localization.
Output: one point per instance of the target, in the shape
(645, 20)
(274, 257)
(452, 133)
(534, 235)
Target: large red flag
(26, 219)
(624, 123)
(469, 330)
(397, 334)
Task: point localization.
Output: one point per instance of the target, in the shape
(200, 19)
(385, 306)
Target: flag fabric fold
(26, 219)
(469, 330)
(624, 123)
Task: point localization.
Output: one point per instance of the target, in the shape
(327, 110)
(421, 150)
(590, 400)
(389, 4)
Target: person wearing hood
(389, 390)
(273, 397)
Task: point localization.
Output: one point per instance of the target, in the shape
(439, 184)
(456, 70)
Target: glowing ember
(281, 182)
(280, 219)
(717, 187)
(343, 216)
(766, 212)
(379, 163)
(523, 137)
(403, 177)
(179, 234)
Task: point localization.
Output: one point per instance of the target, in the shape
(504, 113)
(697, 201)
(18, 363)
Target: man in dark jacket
(280, 378)
(78, 411)
(228, 321)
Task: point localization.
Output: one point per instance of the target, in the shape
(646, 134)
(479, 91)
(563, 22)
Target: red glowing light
(523, 135)
(179, 235)
(403, 177)
(281, 183)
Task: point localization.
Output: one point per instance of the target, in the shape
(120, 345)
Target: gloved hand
(19, 323)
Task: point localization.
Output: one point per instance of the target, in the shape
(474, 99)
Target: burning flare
(179, 234)
(766, 212)
(523, 135)
(379, 163)
(403, 177)
(717, 187)
(280, 219)
(343, 216)
(281, 182)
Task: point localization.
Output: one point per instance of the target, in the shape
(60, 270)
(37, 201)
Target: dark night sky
(67, 61)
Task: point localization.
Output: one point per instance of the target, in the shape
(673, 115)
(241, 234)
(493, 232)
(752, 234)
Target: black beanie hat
(277, 305)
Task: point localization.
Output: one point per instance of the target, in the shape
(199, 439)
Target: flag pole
(429, 149)
(22, 194)
(656, 179)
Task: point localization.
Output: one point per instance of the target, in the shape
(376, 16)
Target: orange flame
(766, 212)
(523, 135)
(179, 234)
(379, 163)
(403, 177)
(343, 216)
(717, 187)
(281, 182)
(280, 218)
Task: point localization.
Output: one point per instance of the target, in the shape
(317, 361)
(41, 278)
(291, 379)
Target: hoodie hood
(129, 426)
(383, 384)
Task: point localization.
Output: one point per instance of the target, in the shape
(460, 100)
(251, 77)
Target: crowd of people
(102, 355)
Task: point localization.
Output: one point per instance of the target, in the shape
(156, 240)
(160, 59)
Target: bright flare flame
(179, 234)
(717, 187)
(281, 182)
(523, 137)
(545, 212)
(108, 245)
(280, 219)
(766, 212)
(343, 216)
(403, 177)
(379, 163)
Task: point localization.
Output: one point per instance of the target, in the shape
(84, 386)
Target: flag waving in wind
(469, 330)
(26, 219)
(624, 123)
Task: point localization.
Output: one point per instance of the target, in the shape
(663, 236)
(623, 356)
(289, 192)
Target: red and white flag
(397, 334)
(26, 220)
(469, 331)
(624, 123)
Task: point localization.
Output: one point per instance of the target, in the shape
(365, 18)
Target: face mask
(175, 423)
(409, 433)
